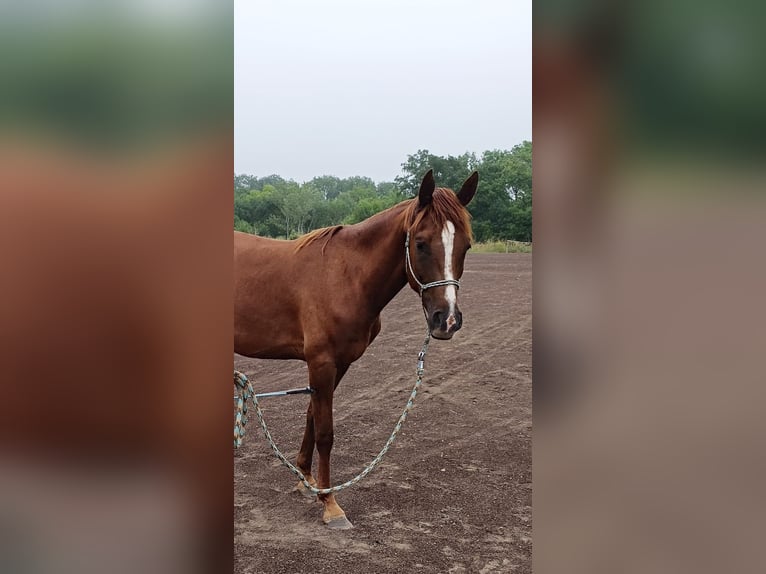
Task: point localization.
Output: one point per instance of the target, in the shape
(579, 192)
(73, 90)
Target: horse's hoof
(339, 523)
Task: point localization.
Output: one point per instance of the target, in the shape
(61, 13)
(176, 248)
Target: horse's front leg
(322, 377)
(306, 454)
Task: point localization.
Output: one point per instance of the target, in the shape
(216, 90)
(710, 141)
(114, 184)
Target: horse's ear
(427, 187)
(466, 193)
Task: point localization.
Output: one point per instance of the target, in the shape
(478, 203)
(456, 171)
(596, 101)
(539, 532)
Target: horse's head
(438, 237)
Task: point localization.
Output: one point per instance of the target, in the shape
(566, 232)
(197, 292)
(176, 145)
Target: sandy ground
(454, 493)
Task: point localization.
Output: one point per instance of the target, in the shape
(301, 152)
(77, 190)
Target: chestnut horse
(319, 298)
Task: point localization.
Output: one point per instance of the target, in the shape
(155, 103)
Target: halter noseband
(423, 287)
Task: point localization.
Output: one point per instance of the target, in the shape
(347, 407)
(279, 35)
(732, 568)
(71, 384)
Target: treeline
(502, 209)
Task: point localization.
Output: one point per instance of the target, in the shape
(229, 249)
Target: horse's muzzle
(443, 325)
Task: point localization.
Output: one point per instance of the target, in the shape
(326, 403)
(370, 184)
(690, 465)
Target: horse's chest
(357, 338)
(344, 340)
(351, 351)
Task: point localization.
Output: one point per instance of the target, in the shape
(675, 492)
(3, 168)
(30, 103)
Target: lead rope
(241, 420)
(244, 393)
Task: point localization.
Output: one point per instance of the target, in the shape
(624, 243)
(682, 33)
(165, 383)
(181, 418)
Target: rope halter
(423, 287)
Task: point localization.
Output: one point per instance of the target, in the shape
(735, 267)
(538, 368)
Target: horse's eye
(420, 246)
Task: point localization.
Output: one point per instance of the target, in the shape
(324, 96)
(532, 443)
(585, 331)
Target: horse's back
(254, 255)
(248, 243)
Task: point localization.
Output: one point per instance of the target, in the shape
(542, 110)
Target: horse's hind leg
(323, 377)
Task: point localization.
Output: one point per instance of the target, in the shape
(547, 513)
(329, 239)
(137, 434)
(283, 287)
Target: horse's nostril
(436, 318)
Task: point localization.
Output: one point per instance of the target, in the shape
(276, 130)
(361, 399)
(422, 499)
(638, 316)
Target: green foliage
(501, 210)
(503, 205)
(242, 225)
(369, 206)
(450, 171)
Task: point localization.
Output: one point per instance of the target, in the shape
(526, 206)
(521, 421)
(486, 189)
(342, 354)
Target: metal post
(305, 391)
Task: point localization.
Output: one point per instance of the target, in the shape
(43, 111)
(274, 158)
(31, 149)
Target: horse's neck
(382, 241)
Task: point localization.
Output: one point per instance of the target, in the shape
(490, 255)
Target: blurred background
(648, 279)
(116, 158)
(115, 151)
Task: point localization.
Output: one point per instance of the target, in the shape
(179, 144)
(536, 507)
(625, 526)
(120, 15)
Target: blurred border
(648, 279)
(116, 158)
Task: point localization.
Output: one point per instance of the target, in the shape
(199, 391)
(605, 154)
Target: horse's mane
(444, 206)
(316, 235)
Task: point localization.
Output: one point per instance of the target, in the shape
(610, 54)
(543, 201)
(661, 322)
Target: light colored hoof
(338, 523)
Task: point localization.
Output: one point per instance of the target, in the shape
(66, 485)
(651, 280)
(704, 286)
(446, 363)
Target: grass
(502, 247)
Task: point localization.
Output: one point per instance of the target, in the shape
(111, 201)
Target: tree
(450, 171)
(297, 205)
(259, 209)
(273, 180)
(509, 174)
(244, 183)
(389, 189)
(328, 186)
(242, 225)
(369, 206)
(502, 209)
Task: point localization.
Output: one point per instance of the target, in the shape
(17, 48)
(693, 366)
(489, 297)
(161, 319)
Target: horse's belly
(259, 337)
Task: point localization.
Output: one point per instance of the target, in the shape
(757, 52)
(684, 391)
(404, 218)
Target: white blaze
(448, 240)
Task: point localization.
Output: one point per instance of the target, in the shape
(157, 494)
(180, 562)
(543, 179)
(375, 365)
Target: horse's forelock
(444, 206)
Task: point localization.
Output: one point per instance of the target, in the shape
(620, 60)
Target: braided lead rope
(439, 283)
(244, 393)
(370, 467)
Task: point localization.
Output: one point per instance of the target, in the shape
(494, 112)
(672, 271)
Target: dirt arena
(454, 493)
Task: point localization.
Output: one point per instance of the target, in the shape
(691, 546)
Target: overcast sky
(349, 87)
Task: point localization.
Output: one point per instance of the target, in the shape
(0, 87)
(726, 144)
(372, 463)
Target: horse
(318, 298)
